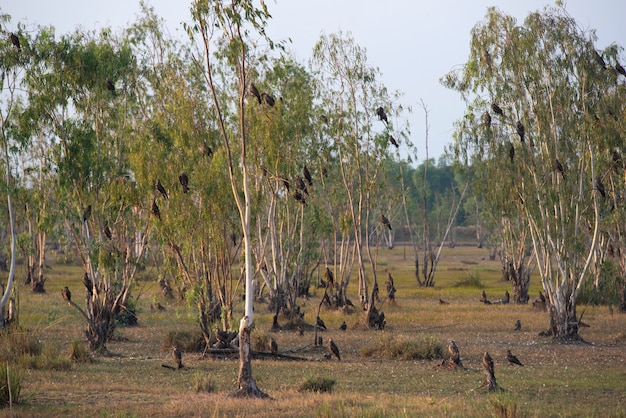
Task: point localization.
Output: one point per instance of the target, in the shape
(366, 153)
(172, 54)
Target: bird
(286, 184)
(454, 351)
(385, 221)
(542, 297)
(343, 326)
(497, 109)
(155, 209)
(381, 114)
(483, 298)
(87, 213)
(300, 184)
(107, 232)
(307, 175)
(443, 302)
(330, 277)
(507, 297)
(600, 187)
(254, 91)
(488, 362)
(520, 130)
(559, 167)
(393, 141)
(334, 349)
(599, 58)
(267, 99)
(324, 172)
(518, 325)
(300, 331)
(88, 283)
(184, 181)
(620, 69)
(320, 323)
(67, 295)
(299, 197)
(511, 152)
(273, 346)
(512, 359)
(15, 41)
(487, 119)
(177, 356)
(161, 189)
(110, 86)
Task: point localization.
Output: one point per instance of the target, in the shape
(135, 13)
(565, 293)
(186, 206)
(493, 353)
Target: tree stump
(490, 378)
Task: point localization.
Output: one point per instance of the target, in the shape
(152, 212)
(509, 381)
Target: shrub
(317, 384)
(186, 341)
(471, 279)
(79, 353)
(426, 348)
(48, 359)
(10, 385)
(15, 343)
(202, 384)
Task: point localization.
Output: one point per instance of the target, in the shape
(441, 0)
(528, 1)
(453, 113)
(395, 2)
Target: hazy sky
(413, 43)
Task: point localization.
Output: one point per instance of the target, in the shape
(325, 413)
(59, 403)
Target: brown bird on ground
(334, 349)
(110, 86)
(600, 187)
(512, 359)
(87, 213)
(184, 181)
(381, 114)
(518, 325)
(497, 109)
(107, 232)
(155, 209)
(620, 69)
(273, 346)
(307, 175)
(488, 362)
(161, 189)
(67, 295)
(343, 326)
(320, 323)
(15, 41)
(253, 91)
(520, 130)
(559, 167)
(267, 99)
(393, 141)
(178, 357)
(385, 221)
(487, 119)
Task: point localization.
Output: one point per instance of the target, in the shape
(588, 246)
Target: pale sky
(413, 43)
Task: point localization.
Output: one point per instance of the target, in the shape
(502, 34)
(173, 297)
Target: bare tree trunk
(247, 385)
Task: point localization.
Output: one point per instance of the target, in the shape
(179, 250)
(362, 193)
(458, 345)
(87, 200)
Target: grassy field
(556, 380)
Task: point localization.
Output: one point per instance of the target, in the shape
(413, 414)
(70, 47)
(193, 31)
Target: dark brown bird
(88, 283)
(299, 197)
(512, 359)
(330, 277)
(107, 232)
(110, 86)
(161, 189)
(487, 119)
(178, 357)
(300, 184)
(559, 167)
(155, 209)
(267, 99)
(497, 109)
(483, 297)
(518, 325)
(381, 114)
(599, 59)
(307, 175)
(617, 159)
(620, 69)
(600, 187)
(273, 346)
(385, 221)
(454, 352)
(393, 141)
(334, 349)
(324, 172)
(87, 213)
(15, 41)
(511, 152)
(343, 326)
(207, 150)
(488, 363)
(67, 295)
(443, 302)
(184, 181)
(320, 323)
(287, 184)
(253, 91)
(542, 297)
(520, 130)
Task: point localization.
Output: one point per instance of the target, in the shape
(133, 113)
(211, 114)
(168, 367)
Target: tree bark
(247, 385)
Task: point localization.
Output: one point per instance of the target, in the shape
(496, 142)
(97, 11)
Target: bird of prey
(542, 297)
(88, 283)
(253, 91)
(273, 346)
(300, 184)
(320, 323)
(620, 69)
(487, 119)
(443, 302)
(599, 59)
(381, 114)
(454, 352)
(488, 363)
(600, 187)
(15, 41)
(155, 209)
(161, 189)
(330, 277)
(307, 175)
(518, 325)
(385, 221)
(299, 197)
(67, 295)
(110, 86)
(184, 181)
(343, 326)
(87, 213)
(107, 232)
(559, 167)
(497, 109)
(520, 130)
(334, 349)
(393, 141)
(511, 152)
(483, 298)
(512, 359)
(178, 357)
(267, 99)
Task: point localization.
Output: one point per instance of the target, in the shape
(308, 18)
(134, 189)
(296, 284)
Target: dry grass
(557, 380)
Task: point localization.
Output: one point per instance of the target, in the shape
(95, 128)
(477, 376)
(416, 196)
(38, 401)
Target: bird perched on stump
(67, 295)
(488, 363)
(178, 357)
(512, 359)
(518, 325)
(334, 349)
(273, 346)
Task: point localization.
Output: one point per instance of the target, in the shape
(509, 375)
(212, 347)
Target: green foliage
(389, 347)
(11, 379)
(203, 383)
(470, 279)
(318, 384)
(17, 342)
(504, 405)
(609, 289)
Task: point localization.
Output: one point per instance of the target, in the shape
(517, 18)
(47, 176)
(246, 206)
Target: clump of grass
(318, 384)
(425, 348)
(10, 385)
(15, 343)
(621, 337)
(186, 341)
(203, 384)
(471, 279)
(79, 353)
(49, 359)
(504, 405)
(259, 341)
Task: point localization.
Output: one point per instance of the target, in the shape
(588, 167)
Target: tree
(550, 91)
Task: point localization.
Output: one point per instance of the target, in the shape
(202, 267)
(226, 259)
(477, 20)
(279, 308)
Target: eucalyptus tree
(538, 95)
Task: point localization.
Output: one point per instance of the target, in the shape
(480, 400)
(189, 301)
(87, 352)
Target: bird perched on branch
(299, 197)
(330, 278)
(385, 221)
(381, 114)
(161, 189)
(300, 184)
(511, 152)
(110, 86)
(267, 99)
(393, 141)
(67, 295)
(620, 69)
(559, 167)
(520, 130)
(107, 232)
(334, 349)
(512, 359)
(15, 41)
(87, 213)
(487, 119)
(184, 181)
(497, 109)
(320, 323)
(600, 187)
(253, 91)
(88, 283)
(307, 175)
(155, 209)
